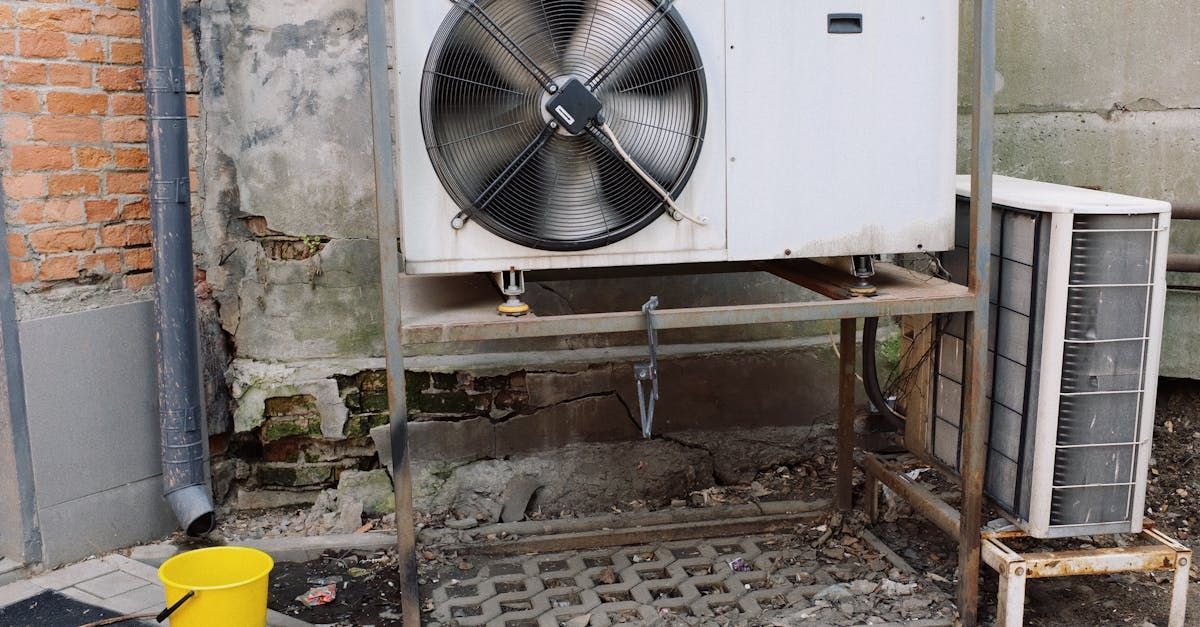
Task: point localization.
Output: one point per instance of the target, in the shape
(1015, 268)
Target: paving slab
(68, 576)
(145, 598)
(10, 570)
(111, 585)
(18, 591)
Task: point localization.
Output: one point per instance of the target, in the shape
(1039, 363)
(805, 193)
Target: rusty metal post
(975, 404)
(387, 213)
(845, 429)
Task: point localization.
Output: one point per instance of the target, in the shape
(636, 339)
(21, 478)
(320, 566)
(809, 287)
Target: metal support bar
(845, 427)
(1185, 212)
(922, 500)
(387, 210)
(1183, 262)
(975, 405)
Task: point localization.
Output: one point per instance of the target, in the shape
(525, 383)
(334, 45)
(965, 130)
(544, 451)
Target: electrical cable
(871, 374)
(676, 212)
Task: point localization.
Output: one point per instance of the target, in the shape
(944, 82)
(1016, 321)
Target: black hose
(871, 375)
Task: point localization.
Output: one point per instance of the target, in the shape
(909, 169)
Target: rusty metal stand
(898, 294)
(1160, 553)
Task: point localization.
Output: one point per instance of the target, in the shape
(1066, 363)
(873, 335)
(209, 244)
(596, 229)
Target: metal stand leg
(845, 430)
(871, 498)
(388, 215)
(1179, 586)
(1010, 601)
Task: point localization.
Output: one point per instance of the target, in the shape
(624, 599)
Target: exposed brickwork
(72, 152)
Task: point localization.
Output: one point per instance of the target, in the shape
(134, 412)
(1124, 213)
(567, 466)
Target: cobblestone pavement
(769, 580)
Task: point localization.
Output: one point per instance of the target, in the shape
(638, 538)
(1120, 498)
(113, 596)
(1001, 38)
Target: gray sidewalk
(113, 582)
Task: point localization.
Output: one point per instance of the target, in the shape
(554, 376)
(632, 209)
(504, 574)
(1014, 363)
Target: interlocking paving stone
(692, 580)
(146, 598)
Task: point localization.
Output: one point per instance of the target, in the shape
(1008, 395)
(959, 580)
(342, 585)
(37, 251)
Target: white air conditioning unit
(540, 135)
(1078, 289)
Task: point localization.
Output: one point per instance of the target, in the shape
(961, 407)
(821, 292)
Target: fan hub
(574, 107)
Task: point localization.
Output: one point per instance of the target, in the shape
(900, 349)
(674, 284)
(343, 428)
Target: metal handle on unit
(845, 23)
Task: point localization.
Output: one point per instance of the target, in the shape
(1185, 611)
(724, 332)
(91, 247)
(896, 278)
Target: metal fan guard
(481, 108)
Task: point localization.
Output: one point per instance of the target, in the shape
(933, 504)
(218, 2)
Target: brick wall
(73, 151)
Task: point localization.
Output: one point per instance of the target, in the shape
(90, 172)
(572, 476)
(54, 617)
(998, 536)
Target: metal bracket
(171, 190)
(646, 375)
(163, 79)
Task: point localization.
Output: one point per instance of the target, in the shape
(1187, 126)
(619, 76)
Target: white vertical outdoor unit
(785, 128)
(1078, 289)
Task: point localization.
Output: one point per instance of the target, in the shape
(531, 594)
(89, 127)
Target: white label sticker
(566, 117)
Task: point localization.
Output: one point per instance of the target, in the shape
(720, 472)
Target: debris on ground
(319, 595)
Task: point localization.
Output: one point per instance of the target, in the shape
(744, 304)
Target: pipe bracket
(171, 190)
(164, 80)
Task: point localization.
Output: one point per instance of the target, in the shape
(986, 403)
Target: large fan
(563, 124)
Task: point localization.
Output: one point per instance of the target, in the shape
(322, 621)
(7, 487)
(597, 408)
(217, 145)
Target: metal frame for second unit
(900, 296)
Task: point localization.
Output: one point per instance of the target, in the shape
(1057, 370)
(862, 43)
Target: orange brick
(125, 53)
(22, 271)
(25, 186)
(7, 19)
(193, 106)
(62, 240)
(43, 45)
(88, 49)
(27, 213)
(63, 210)
(128, 104)
(136, 210)
(74, 184)
(102, 263)
(71, 103)
(70, 74)
(101, 210)
(16, 129)
(132, 158)
(68, 19)
(8, 43)
(66, 128)
(21, 101)
(16, 246)
(139, 258)
(59, 268)
(125, 4)
(25, 73)
(118, 24)
(139, 280)
(121, 235)
(127, 182)
(128, 130)
(41, 158)
(92, 158)
(119, 78)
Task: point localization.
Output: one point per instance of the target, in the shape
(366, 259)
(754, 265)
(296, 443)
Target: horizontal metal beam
(1100, 561)
(1185, 212)
(1183, 262)
(922, 500)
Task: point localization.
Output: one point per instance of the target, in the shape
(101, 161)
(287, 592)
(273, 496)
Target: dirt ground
(368, 591)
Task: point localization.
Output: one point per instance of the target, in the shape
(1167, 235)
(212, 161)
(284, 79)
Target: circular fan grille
(491, 70)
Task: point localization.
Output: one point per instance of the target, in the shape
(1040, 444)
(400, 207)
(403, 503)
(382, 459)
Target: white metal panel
(841, 144)
(1054, 316)
(431, 246)
(1053, 198)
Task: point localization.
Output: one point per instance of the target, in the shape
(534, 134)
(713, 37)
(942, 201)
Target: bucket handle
(163, 615)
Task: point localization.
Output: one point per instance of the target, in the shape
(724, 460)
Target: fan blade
(655, 57)
(505, 43)
(650, 33)
(657, 131)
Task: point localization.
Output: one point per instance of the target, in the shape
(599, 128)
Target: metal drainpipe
(180, 414)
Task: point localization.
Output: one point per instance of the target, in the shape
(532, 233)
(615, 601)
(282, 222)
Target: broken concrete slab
(737, 456)
(516, 497)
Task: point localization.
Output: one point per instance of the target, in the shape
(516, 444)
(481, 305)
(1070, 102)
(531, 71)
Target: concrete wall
(1104, 95)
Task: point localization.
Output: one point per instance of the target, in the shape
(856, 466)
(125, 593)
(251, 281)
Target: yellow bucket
(223, 585)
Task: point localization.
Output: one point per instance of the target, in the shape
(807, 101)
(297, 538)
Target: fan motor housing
(794, 139)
